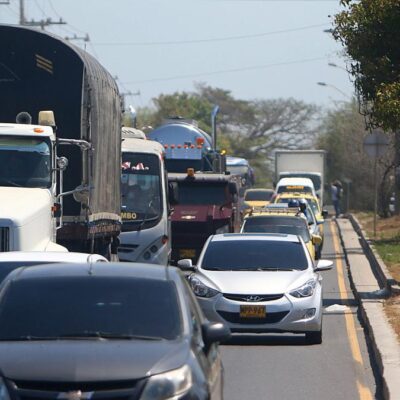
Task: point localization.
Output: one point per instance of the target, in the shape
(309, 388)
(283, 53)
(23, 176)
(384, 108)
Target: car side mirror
(325, 213)
(186, 264)
(316, 240)
(215, 332)
(323, 265)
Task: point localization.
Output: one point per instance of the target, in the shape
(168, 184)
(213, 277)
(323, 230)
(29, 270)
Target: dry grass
(392, 309)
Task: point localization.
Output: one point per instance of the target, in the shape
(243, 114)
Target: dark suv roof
(121, 269)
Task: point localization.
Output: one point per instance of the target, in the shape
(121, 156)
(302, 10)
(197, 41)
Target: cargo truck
(302, 164)
(59, 181)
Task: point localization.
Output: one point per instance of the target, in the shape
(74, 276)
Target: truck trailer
(71, 171)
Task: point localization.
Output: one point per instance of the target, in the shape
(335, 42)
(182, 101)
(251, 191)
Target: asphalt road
(280, 367)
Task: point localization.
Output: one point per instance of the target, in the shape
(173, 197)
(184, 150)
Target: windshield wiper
(107, 335)
(215, 269)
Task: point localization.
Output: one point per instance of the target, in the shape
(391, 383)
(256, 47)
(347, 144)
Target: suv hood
(254, 282)
(89, 360)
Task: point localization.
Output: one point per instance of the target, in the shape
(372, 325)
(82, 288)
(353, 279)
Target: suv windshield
(254, 255)
(60, 307)
(288, 225)
(140, 186)
(25, 162)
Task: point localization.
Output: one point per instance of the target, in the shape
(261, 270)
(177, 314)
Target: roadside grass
(387, 244)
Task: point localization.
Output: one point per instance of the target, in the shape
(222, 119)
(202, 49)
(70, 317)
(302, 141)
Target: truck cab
(206, 204)
(27, 188)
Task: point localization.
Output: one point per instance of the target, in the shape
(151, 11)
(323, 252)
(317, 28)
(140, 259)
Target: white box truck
(304, 164)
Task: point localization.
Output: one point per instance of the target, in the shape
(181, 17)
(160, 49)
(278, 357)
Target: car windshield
(62, 307)
(140, 187)
(261, 195)
(25, 162)
(202, 194)
(288, 225)
(251, 255)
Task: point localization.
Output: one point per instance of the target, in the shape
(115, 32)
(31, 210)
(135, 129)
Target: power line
(216, 39)
(250, 68)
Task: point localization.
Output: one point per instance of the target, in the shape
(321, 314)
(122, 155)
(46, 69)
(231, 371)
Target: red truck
(206, 204)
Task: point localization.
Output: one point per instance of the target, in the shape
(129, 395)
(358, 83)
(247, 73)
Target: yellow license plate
(252, 311)
(187, 253)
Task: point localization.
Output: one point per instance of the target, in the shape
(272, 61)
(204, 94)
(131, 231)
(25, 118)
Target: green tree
(342, 136)
(252, 129)
(369, 31)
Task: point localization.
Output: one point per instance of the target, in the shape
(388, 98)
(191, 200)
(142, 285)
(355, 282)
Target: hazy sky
(254, 48)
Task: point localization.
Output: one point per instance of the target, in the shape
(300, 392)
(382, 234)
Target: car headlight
(168, 385)
(305, 290)
(200, 289)
(4, 395)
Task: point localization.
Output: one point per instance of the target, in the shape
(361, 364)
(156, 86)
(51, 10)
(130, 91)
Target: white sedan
(260, 283)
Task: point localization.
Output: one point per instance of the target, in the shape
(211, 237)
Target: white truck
(302, 164)
(27, 188)
(59, 185)
(146, 226)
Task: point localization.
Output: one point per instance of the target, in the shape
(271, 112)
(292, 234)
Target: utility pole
(42, 23)
(75, 37)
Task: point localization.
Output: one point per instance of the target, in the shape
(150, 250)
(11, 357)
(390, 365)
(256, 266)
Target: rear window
(75, 307)
(245, 255)
(292, 226)
(258, 196)
(294, 188)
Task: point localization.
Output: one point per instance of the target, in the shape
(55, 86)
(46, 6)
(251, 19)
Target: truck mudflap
(103, 226)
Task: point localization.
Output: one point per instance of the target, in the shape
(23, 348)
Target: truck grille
(36, 390)
(4, 239)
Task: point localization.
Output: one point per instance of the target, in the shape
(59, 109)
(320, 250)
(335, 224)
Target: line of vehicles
(78, 190)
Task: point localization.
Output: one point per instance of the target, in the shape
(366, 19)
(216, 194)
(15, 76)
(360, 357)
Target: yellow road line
(363, 390)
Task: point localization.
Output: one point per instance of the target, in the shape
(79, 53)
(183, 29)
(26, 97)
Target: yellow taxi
(312, 200)
(281, 220)
(257, 198)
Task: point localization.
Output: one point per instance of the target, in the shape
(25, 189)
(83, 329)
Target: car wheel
(314, 337)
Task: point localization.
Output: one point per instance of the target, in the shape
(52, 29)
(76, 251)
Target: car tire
(314, 337)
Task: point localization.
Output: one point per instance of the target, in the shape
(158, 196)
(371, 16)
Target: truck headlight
(168, 385)
(200, 289)
(305, 290)
(4, 395)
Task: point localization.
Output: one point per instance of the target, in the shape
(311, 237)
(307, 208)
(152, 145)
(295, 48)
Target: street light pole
(334, 87)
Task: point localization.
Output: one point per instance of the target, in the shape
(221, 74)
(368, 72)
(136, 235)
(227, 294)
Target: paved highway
(280, 367)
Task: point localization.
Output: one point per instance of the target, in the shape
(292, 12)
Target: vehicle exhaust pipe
(214, 126)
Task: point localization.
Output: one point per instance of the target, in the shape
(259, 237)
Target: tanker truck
(60, 179)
